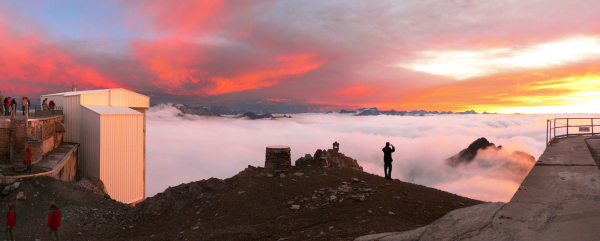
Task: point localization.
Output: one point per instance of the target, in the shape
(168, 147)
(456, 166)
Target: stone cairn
(278, 158)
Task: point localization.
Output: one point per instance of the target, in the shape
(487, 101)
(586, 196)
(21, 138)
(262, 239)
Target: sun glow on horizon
(463, 65)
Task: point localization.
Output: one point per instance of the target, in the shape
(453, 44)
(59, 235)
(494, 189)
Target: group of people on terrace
(54, 215)
(48, 105)
(9, 105)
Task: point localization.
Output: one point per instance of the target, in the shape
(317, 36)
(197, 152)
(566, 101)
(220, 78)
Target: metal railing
(36, 112)
(563, 124)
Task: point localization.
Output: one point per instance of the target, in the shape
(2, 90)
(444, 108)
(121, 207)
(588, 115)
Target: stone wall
(43, 129)
(4, 144)
(278, 158)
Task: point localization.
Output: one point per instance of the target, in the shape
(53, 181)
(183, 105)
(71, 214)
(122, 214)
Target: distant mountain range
(222, 110)
(201, 111)
(375, 111)
(264, 113)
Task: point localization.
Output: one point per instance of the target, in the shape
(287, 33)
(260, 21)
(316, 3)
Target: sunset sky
(505, 56)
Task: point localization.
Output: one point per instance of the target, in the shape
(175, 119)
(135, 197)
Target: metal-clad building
(110, 127)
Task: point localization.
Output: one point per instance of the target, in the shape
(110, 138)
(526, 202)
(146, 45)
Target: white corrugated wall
(126, 98)
(72, 112)
(122, 156)
(95, 98)
(89, 147)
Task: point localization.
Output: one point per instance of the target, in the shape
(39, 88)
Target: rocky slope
(309, 203)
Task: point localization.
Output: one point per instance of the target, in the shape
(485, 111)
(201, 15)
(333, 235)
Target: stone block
(278, 158)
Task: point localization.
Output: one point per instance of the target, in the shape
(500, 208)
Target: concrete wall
(68, 169)
(65, 170)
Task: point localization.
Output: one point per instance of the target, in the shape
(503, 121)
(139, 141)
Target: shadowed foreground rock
(472, 223)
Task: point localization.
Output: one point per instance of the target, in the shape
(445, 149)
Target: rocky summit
(331, 199)
(328, 158)
(467, 155)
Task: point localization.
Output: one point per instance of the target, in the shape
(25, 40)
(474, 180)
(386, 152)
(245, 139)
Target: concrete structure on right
(558, 200)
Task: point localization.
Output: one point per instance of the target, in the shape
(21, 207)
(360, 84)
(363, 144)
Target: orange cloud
(358, 91)
(27, 60)
(171, 62)
(275, 70)
(177, 64)
(569, 86)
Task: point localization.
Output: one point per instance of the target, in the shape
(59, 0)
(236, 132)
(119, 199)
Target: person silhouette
(387, 160)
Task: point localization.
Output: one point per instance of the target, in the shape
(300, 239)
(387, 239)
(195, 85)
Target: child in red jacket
(11, 221)
(54, 220)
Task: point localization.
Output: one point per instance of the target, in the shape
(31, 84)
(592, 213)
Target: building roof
(111, 110)
(72, 93)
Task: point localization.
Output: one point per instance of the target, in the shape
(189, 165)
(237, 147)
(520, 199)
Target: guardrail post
(592, 126)
(555, 127)
(567, 127)
(547, 133)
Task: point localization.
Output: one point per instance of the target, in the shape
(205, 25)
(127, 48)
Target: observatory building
(110, 127)
(97, 134)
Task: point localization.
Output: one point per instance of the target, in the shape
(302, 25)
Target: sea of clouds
(183, 148)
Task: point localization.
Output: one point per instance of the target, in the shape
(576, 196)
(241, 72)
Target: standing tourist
(45, 104)
(23, 104)
(13, 104)
(11, 221)
(7, 106)
(27, 158)
(51, 104)
(387, 160)
(28, 104)
(54, 220)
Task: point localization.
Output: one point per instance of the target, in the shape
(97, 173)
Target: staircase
(18, 145)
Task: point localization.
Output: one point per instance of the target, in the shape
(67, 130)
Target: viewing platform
(558, 200)
(560, 197)
(60, 164)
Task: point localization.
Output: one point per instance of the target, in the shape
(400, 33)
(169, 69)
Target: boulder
(21, 196)
(11, 188)
(304, 161)
(93, 185)
(213, 184)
